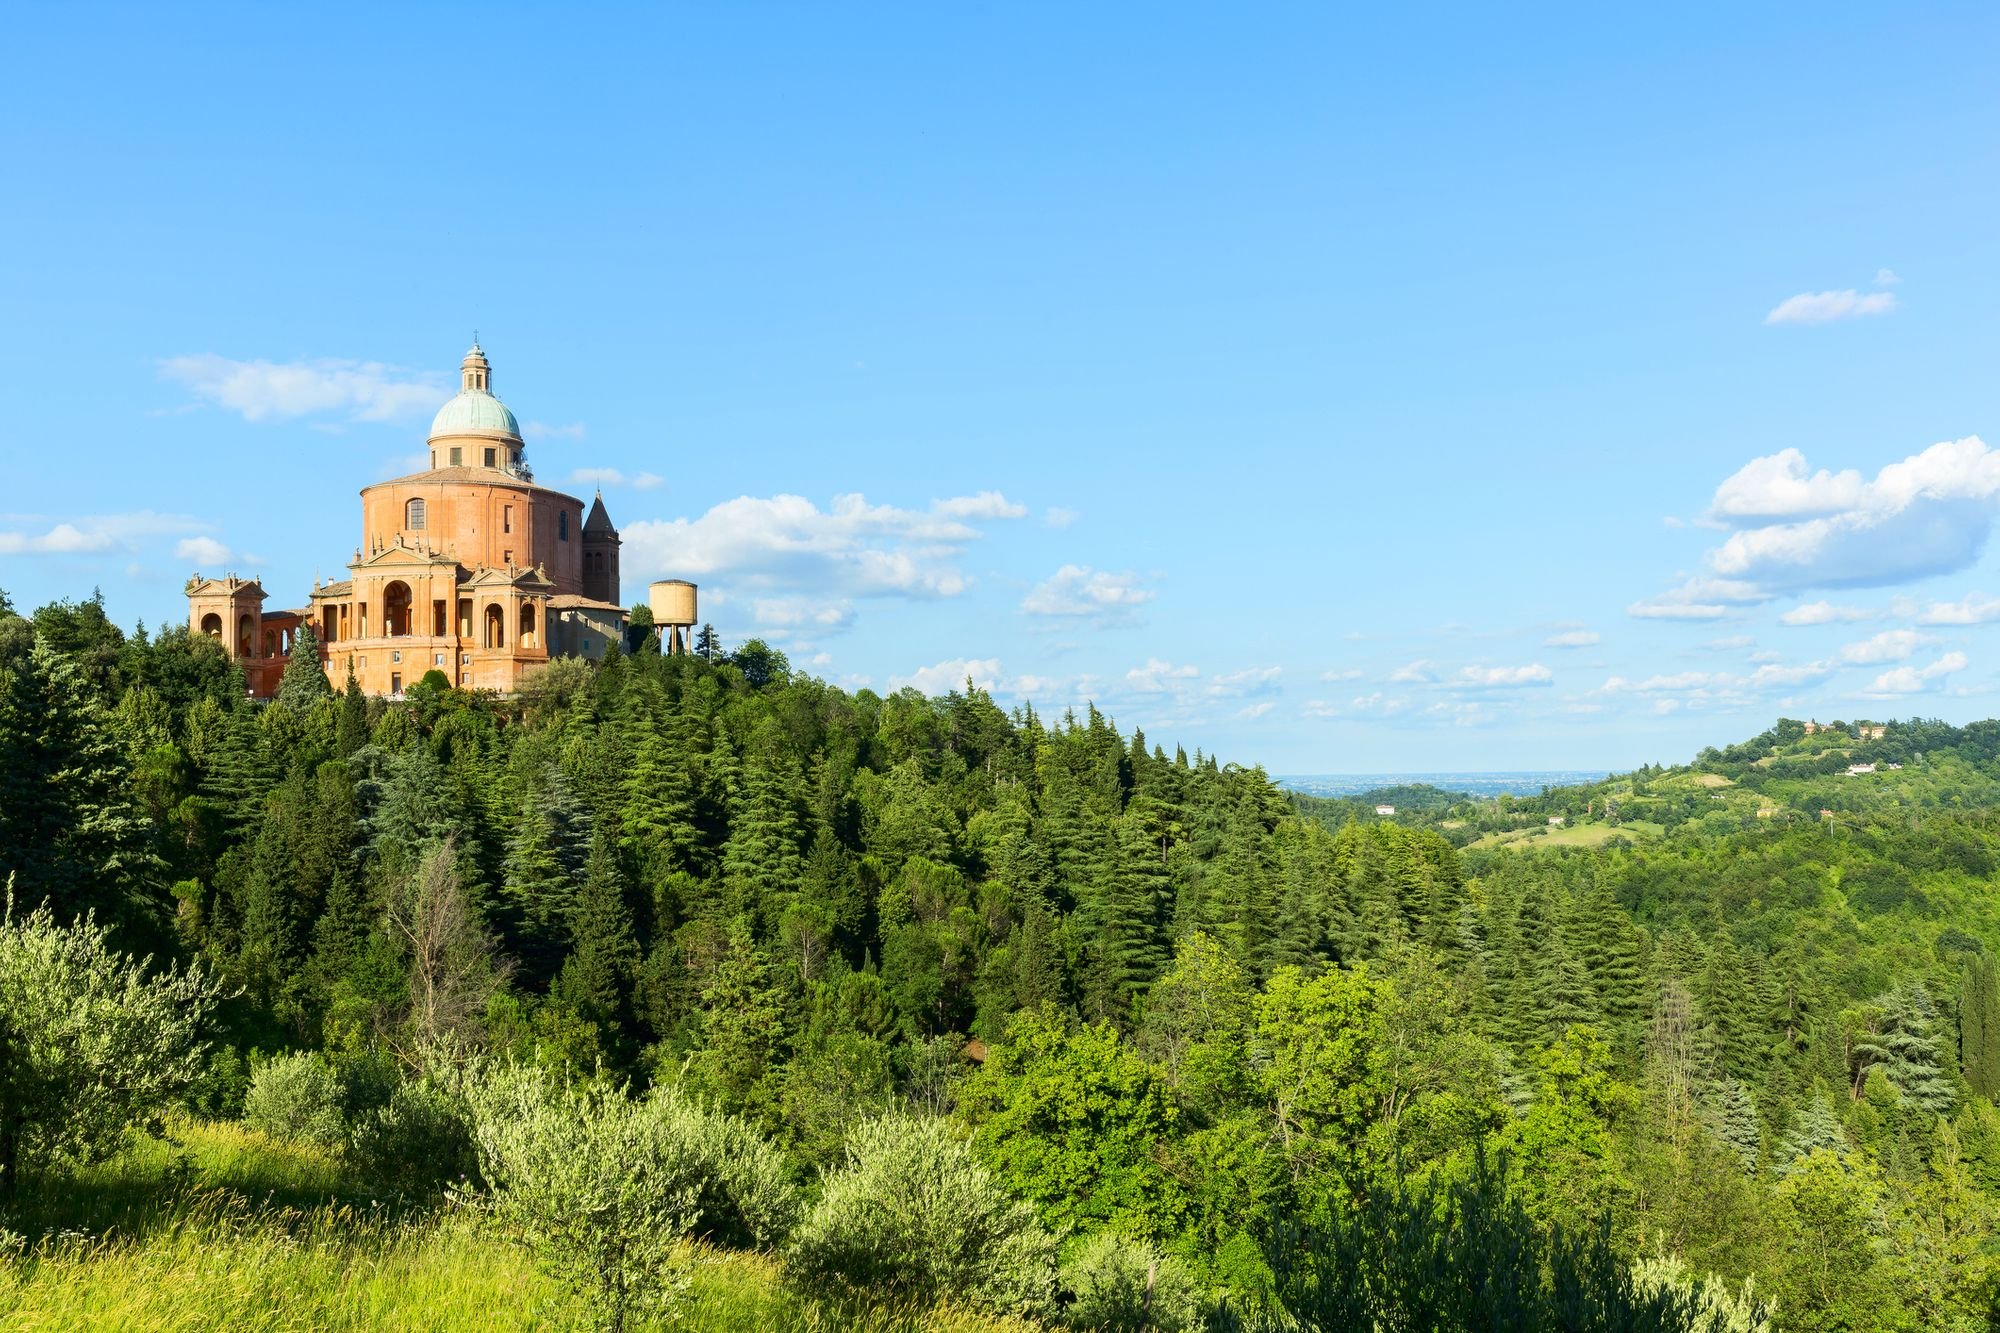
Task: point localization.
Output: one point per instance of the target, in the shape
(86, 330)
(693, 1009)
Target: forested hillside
(1172, 1022)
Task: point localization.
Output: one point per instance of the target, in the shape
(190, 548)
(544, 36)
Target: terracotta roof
(570, 600)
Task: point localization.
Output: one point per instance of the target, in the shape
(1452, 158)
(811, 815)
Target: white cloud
(1080, 591)
(1729, 642)
(1668, 607)
(1886, 277)
(1319, 708)
(101, 532)
(1825, 307)
(944, 677)
(1250, 681)
(1251, 712)
(1378, 702)
(1972, 609)
(1824, 613)
(1792, 529)
(1573, 638)
(1350, 673)
(202, 551)
(1058, 517)
(1419, 672)
(261, 390)
(804, 614)
(785, 545)
(541, 430)
(1476, 677)
(611, 476)
(986, 504)
(1778, 486)
(1159, 676)
(1894, 645)
(1912, 680)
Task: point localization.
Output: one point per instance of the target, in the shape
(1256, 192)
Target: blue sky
(1429, 389)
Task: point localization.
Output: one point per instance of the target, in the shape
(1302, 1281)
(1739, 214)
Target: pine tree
(707, 646)
(304, 684)
(1733, 1114)
(1903, 1042)
(1814, 1128)
(68, 832)
(1724, 996)
(596, 978)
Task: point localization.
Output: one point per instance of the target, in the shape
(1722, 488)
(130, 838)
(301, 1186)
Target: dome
(475, 412)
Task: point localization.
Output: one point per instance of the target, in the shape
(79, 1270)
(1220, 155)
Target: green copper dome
(475, 412)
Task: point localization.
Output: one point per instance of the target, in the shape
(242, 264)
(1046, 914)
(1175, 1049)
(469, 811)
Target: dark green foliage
(1979, 1025)
(1459, 1256)
(304, 685)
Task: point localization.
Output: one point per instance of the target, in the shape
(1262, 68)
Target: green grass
(219, 1228)
(1578, 835)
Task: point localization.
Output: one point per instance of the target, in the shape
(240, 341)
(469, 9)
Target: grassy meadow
(216, 1227)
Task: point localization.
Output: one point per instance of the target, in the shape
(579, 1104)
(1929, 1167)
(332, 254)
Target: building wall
(479, 523)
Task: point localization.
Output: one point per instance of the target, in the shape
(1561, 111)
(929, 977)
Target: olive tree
(92, 1041)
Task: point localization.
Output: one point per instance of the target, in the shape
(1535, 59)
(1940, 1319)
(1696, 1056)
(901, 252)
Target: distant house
(1895, 766)
(1825, 813)
(1856, 770)
(1868, 733)
(1765, 812)
(1385, 810)
(1556, 821)
(1812, 728)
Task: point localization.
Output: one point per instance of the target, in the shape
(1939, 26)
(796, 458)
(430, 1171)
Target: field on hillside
(219, 1228)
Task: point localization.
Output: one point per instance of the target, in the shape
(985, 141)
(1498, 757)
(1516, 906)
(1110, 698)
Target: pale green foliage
(1715, 1308)
(599, 1186)
(744, 1195)
(912, 1215)
(91, 1042)
(1127, 1286)
(415, 1141)
(297, 1096)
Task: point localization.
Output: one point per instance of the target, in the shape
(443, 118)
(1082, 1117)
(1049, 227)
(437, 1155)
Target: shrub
(297, 1097)
(601, 1187)
(913, 1216)
(417, 1142)
(91, 1041)
(745, 1198)
(1126, 1286)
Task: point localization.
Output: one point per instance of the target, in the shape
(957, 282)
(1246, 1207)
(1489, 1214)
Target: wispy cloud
(282, 390)
(541, 430)
(611, 476)
(1894, 645)
(1504, 677)
(1080, 592)
(1573, 638)
(100, 532)
(1915, 680)
(1825, 613)
(785, 545)
(1972, 609)
(1826, 307)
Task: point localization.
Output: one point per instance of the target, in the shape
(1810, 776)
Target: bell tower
(600, 555)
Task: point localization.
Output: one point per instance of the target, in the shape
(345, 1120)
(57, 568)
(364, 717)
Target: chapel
(468, 568)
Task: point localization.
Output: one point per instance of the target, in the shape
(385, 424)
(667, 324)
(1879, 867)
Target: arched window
(413, 514)
(211, 625)
(527, 624)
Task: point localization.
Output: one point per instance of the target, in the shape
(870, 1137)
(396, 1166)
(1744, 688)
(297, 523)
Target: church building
(468, 568)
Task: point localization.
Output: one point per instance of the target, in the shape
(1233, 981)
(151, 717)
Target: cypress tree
(1979, 1025)
(351, 732)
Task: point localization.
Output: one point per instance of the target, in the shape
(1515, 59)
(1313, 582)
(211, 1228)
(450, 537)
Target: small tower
(475, 372)
(600, 555)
